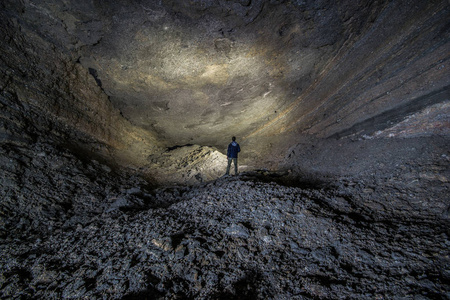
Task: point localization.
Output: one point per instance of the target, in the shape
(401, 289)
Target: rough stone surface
(191, 164)
(44, 91)
(74, 228)
(198, 72)
(114, 122)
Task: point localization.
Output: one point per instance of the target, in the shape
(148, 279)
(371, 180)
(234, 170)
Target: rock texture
(198, 72)
(114, 122)
(79, 229)
(190, 164)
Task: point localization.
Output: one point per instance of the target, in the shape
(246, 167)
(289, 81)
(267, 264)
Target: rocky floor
(78, 229)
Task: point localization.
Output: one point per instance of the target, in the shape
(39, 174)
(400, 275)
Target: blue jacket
(233, 149)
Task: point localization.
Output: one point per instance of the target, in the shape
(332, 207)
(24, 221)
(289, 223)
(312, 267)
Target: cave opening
(114, 125)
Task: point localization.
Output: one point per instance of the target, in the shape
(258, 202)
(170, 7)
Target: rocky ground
(78, 229)
(347, 101)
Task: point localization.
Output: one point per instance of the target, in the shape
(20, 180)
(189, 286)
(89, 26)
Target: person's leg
(228, 167)
(235, 166)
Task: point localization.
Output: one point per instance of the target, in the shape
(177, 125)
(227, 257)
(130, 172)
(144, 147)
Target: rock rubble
(83, 230)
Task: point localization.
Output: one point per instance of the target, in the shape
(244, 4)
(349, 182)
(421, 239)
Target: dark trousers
(229, 165)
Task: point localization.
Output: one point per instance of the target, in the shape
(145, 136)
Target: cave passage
(115, 118)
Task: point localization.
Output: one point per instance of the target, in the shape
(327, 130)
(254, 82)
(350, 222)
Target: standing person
(232, 154)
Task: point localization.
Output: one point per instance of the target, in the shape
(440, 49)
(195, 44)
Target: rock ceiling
(197, 72)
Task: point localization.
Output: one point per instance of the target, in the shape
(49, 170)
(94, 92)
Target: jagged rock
(233, 237)
(114, 122)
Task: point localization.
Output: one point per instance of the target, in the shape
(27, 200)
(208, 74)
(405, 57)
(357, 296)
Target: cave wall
(129, 78)
(347, 101)
(47, 95)
(401, 58)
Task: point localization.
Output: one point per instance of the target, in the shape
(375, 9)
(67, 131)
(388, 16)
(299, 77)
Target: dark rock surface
(74, 228)
(114, 121)
(197, 72)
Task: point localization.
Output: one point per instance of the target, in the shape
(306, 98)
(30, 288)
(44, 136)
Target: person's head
(233, 138)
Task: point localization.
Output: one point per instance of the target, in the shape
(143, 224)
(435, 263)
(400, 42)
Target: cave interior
(114, 126)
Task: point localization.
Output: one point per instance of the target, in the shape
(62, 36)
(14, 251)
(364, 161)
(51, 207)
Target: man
(232, 154)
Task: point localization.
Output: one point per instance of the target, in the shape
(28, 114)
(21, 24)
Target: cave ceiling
(197, 72)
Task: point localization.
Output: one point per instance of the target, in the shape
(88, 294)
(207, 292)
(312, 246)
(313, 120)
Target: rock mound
(74, 229)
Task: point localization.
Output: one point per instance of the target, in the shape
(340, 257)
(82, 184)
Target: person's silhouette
(232, 155)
